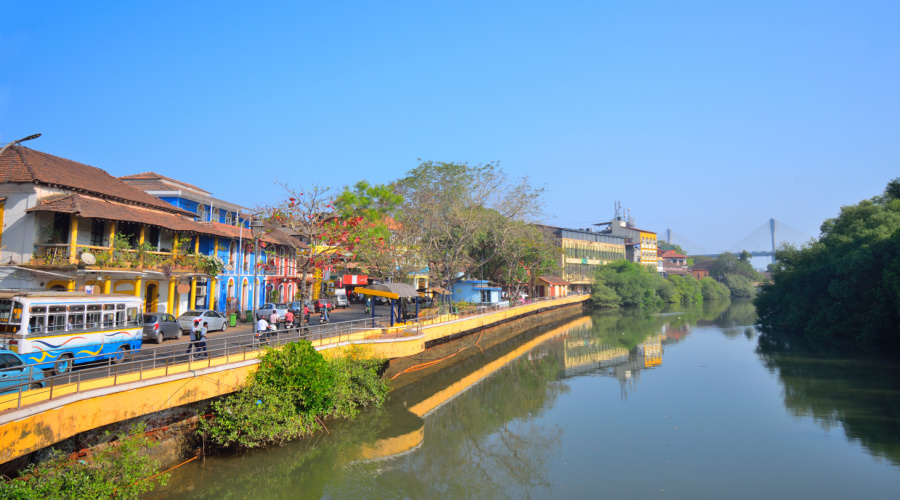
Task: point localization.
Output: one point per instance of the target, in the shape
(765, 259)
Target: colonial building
(230, 240)
(71, 226)
(642, 242)
(582, 252)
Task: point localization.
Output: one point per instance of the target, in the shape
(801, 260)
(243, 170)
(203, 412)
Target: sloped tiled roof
(153, 176)
(99, 208)
(24, 165)
(672, 254)
(553, 280)
(269, 236)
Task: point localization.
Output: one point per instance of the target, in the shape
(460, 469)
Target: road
(242, 334)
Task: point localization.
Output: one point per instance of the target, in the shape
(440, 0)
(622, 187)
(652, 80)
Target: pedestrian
(195, 327)
(201, 340)
(289, 319)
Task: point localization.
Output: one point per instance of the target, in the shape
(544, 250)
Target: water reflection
(862, 396)
(477, 424)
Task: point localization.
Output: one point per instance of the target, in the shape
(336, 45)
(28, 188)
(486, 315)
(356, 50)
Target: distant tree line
(628, 284)
(845, 286)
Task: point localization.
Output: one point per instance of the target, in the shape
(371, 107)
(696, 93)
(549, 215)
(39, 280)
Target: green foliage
(689, 289)
(605, 297)
(293, 389)
(843, 287)
(668, 292)
(713, 290)
(729, 263)
(740, 286)
(119, 470)
(634, 284)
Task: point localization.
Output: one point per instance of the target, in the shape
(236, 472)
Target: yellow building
(583, 251)
(642, 244)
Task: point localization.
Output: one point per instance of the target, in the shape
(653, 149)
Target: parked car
(267, 309)
(341, 301)
(14, 372)
(216, 321)
(320, 303)
(159, 326)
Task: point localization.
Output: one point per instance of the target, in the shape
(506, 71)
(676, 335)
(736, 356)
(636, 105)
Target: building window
(201, 212)
(228, 218)
(97, 232)
(215, 215)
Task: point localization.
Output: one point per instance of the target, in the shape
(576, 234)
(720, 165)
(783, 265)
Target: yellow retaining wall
(45, 422)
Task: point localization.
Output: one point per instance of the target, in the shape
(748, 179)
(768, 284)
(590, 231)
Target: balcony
(57, 255)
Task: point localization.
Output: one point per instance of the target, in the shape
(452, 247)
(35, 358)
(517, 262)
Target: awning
(389, 290)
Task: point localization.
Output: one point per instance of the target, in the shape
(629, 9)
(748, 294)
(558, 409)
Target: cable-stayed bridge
(761, 242)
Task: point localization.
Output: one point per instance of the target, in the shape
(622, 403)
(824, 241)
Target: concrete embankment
(80, 420)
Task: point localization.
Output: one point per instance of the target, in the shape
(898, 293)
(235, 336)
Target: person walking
(201, 341)
(195, 327)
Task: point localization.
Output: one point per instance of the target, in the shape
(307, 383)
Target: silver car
(159, 326)
(267, 309)
(214, 320)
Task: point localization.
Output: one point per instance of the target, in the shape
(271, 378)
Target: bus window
(109, 307)
(134, 319)
(120, 318)
(6, 307)
(56, 318)
(36, 323)
(76, 317)
(109, 320)
(93, 316)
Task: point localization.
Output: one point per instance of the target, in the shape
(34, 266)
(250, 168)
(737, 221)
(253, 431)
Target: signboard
(270, 287)
(89, 289)
(355, 279)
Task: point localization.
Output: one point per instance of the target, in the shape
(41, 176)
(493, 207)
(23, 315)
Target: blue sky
(707, 118)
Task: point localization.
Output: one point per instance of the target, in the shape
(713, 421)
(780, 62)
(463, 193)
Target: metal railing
(150, 363)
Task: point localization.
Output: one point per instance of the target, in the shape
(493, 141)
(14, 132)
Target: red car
(320, 303)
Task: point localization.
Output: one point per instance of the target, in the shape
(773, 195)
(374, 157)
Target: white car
(215, 320)
(267, 309)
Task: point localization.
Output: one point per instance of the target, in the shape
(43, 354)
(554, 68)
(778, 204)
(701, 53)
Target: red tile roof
(153, 176)
(553, 280)
(99, 208)
(672, 254)
(24, 165)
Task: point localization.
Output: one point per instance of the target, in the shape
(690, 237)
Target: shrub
(119, 470)
(291, 391)
(713, 290)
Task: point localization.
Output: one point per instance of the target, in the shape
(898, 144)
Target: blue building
(476, 291)
(230, 240)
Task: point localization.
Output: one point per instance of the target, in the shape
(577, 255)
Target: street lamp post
(30, 137)
(256, 229)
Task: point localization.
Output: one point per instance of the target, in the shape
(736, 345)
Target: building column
(211, 290)
(112, 235)
(170, 298)
(73, 239)
(70, 285)
(196, 243)
(140, 243)
(137, 287)
(107, 285)
(193, 300)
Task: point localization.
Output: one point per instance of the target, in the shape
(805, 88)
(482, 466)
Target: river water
(678, 404)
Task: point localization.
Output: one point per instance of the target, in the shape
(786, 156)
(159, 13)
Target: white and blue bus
(54, 330)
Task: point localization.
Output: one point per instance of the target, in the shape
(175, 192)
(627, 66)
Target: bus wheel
(119, 356)
(63, 364)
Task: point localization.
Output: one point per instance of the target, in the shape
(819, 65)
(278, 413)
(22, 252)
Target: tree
(713, 290)
(843, 287)
(633, 283)
(330, 239)
(450, 208)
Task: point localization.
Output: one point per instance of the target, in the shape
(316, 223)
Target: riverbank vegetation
(291, 393)
(121, 469)
(845, 287)
(628, 284)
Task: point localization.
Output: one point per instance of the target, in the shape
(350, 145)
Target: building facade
(582, 251)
